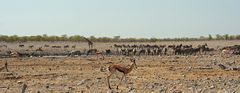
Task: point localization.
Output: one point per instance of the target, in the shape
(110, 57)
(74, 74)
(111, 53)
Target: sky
(125, 18)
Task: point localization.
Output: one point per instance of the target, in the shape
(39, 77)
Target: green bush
(75, 38)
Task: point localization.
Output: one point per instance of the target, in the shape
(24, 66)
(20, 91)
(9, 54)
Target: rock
(214, 60)
(212, 87)
(180, 84)
(52, 83)
(162, 91)
(109, 62)
(98, 79)
(112, 91)
(207, 78)
(222, 66)
(151, 86)
(177, 57)
(83, 81)
(236, 69)
(132, 90)
(177, 91)
(190, 88)
(102, 69)
(189, 68)
(24, 87)
(157, 84)
(19, 82)
(171, 68)
(199, 90)
(47, 86)
(205, 68)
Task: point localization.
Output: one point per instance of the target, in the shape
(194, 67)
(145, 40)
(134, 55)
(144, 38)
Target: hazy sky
(127, 18)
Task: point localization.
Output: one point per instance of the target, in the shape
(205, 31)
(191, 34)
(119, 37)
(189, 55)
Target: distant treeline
(76, 38)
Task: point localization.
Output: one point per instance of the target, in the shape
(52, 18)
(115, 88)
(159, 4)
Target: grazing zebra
(46, 45)
(66, 46)
(21, 45)
(74, 46)
(31, 46)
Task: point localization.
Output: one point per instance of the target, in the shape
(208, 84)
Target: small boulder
(222, 66)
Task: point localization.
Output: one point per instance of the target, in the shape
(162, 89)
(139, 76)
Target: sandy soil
(157, 74)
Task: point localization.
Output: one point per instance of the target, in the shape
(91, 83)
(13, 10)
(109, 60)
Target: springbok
(14, 54)
(226, 52)
(39, 49)
(123, 69)
(95, 51)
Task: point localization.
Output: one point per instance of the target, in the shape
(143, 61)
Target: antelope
(97, 52)
(74, 46)
(226, 52)
(39, 49)
(46, 45)
(123, 69)
(21, 45)
(66, 46)
(31, 46)
(100, 53)
(14, 54)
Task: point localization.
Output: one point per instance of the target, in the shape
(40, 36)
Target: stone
(222, 66)
(132, 90)
(19, 82)
(177, 91)
(83, 81)
(212, 87)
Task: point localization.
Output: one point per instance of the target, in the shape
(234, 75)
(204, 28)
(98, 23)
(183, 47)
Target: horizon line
(68, 35)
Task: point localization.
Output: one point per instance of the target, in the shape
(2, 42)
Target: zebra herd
(118, 49)
(54, 46)
(36, 51)
(232, 49)
(161, 49)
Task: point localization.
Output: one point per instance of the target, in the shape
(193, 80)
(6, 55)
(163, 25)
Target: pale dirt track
(156, 74)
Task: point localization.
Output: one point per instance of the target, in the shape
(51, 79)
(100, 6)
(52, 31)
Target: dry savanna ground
(157, 74)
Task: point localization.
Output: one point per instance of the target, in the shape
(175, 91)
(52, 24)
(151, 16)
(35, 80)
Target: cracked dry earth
(157, 74)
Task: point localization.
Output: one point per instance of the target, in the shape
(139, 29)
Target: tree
(142, 40)
(39, 38)
(116, 38)
(153, 39)
(104, 39)
(23, 38)
(238, 37)
(64, 37)
(4, 38)
(45, 37)
(13, 38)
(202, 38)
(219, 37)
(75, 38)
(226, 36)
(93, 38)
(210, 37)
(232, 37)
